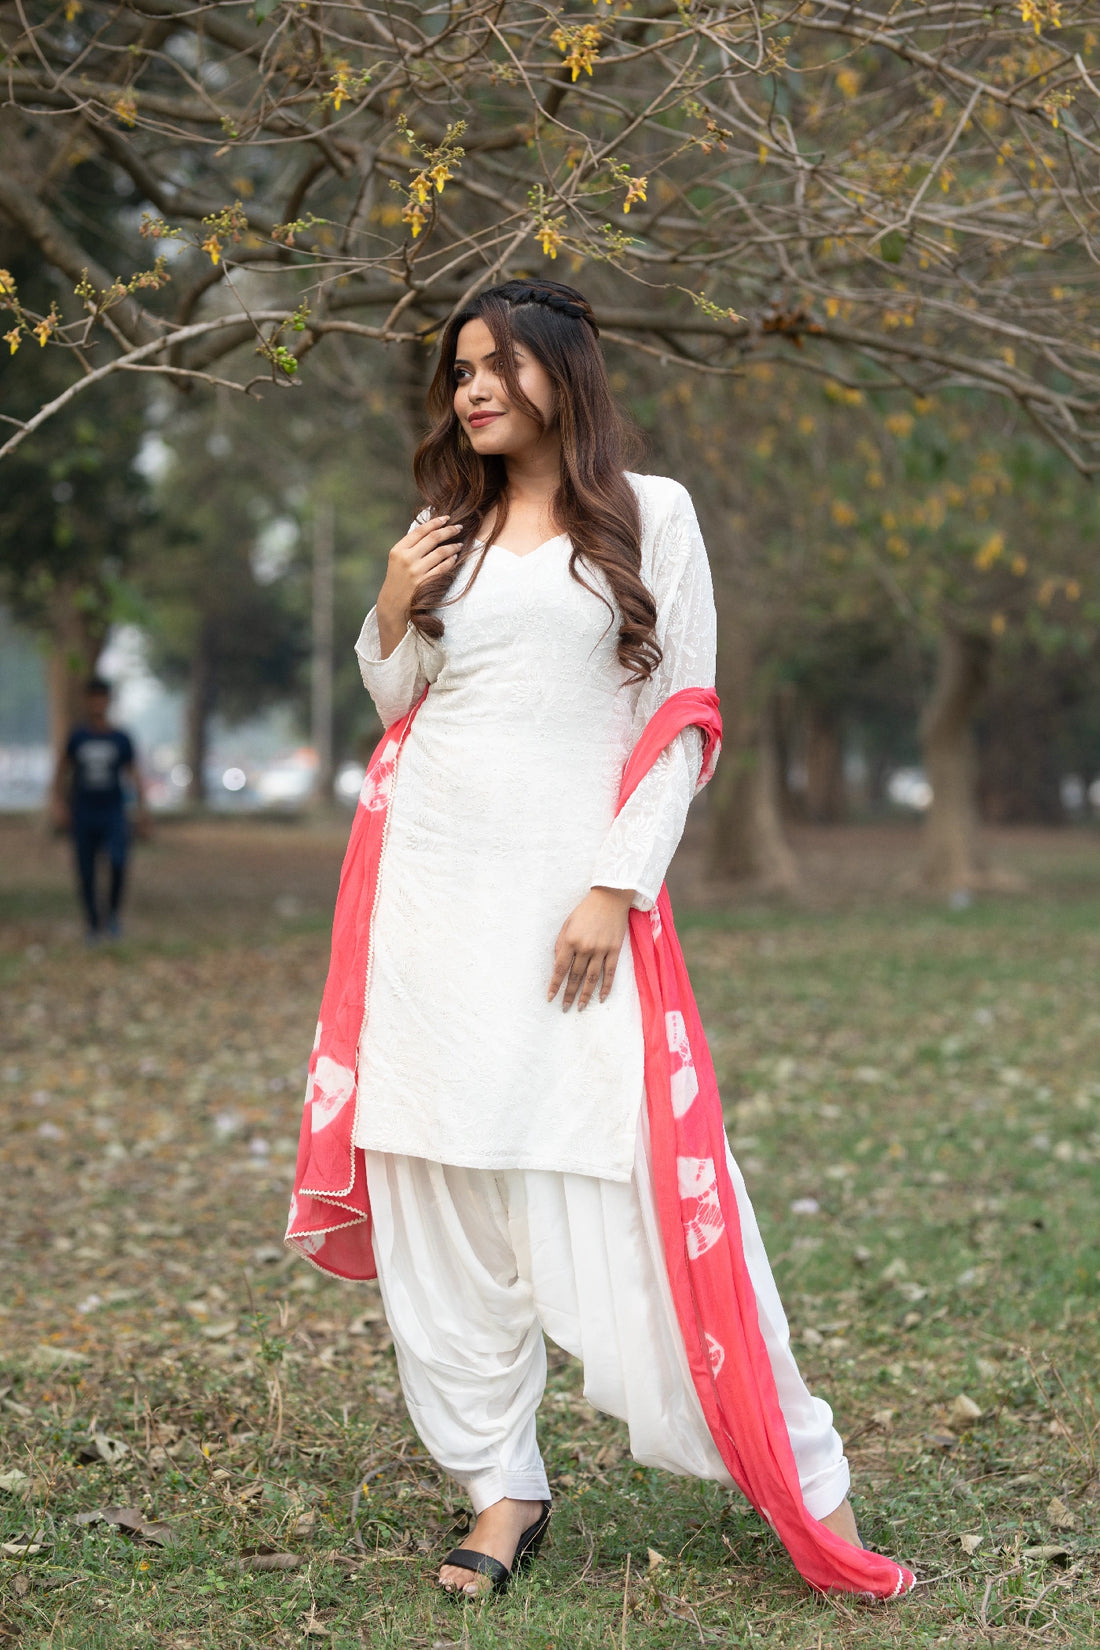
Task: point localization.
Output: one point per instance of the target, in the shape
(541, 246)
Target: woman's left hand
(588, 946)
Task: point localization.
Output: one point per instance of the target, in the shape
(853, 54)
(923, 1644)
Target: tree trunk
(746, 828)
(321, 673)
(947, 741)
(824, 766)
(747, 838)
(200, 702)
(77, 638)
(785, 730)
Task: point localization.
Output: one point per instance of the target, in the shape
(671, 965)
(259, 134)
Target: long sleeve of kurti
(643, 838)
(396, 683)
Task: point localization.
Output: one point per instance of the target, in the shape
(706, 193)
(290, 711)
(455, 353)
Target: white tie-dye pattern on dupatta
(716, 1308)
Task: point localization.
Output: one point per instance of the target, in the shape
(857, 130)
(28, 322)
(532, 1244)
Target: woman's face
(481, 397)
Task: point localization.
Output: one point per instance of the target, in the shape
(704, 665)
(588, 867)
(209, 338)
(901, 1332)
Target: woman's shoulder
(669, 525)
(660, 500)
(658, 490)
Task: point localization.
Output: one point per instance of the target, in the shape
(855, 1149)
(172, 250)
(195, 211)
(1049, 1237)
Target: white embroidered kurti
(502, 818)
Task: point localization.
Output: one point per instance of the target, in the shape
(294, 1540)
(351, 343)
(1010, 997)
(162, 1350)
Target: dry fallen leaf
(964, 1411)
(264, 1558)
(131, 1522)
(125, 1518)
(220, 1330)
(970, 1543)
(13, 1481)
(101, 1448)
(24, 1546)
(655, 1558)
(1060, 1515)
(1047, 1552)
(158, 1533)
(884, 1419)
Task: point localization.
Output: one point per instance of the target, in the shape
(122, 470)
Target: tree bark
(947, 741)
(824, 766)
(746, 826)
(76, 639)
(321, 674)
(747, 840)
(200, 702)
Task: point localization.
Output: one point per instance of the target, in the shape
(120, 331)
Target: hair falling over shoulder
(594, 504)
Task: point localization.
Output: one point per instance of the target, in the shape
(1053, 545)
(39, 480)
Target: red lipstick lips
(476, 420)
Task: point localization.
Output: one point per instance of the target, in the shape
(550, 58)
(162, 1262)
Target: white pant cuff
(826, 1491)
(486, 1488)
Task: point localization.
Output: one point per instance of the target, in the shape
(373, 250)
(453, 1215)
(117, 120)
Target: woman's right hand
(426, 549)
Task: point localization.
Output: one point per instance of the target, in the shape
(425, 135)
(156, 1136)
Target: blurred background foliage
(847, 293)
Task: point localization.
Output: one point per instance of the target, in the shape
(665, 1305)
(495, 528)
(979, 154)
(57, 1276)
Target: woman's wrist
(621, 896)
(392, 624)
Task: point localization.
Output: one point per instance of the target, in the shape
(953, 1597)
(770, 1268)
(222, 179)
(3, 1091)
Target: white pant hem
(825, 1494)
(485, 1489)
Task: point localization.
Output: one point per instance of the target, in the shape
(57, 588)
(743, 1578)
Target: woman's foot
(496, 1533)
(842, 1522)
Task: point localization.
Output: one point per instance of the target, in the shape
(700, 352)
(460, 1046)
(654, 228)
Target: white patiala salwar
(475, 1265)
(505, 1141)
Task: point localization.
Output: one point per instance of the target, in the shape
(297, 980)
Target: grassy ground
(914, 1096)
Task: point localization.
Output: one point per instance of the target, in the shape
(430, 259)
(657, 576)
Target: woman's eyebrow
(490, 355)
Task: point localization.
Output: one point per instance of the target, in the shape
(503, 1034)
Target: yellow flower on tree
(340, 89)
(990, 552)
(125, 108)
(580, 47)
(415, 216)
(12, 339)
(1039, 12)
(214, 246)
(7, 284)
(549, 239)
(636, 189)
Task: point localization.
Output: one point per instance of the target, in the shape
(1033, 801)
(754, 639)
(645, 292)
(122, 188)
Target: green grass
(928, 1078)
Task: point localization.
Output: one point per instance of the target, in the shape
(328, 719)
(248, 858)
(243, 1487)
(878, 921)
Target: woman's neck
(534, 475)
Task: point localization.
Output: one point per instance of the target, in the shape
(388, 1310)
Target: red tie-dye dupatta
(701, 1227)
(330, 1220)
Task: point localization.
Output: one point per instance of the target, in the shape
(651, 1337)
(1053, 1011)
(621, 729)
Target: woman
(502, 1092)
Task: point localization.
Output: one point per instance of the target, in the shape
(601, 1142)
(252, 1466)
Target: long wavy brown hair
(594, 502)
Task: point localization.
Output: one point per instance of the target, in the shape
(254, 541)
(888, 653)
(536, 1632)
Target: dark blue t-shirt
(97, 762)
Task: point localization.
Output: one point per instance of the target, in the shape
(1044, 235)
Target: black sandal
(527, 1548)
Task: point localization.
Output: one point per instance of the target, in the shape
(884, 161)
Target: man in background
(89, 800)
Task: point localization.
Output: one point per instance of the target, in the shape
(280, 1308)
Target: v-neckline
(527, 554)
